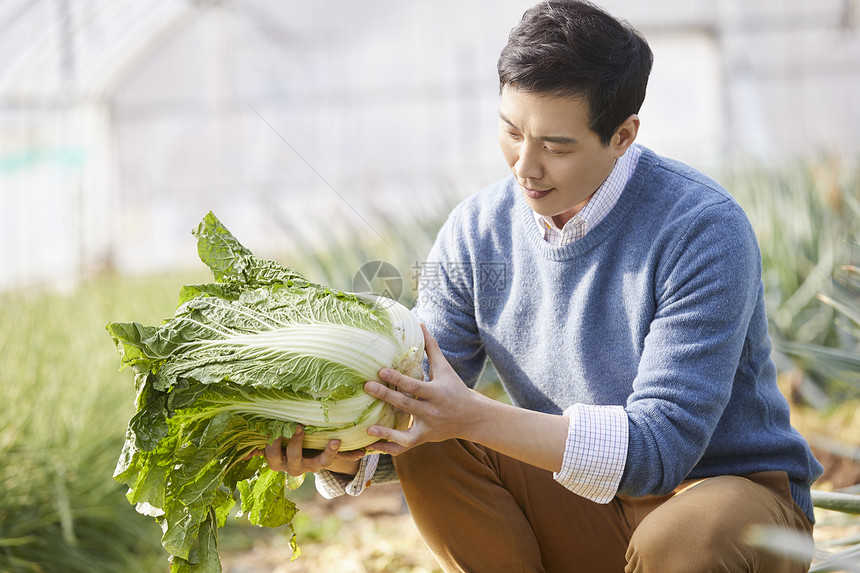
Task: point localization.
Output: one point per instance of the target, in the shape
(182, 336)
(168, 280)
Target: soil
(371, 533)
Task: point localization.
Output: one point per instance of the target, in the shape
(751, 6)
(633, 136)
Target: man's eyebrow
(560, 139)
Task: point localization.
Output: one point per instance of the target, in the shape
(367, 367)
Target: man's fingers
(436, 359)
(393, 397)
(391, 441)
(253, 453)
(294, 452)
(401, 381)
(275, 455)
(428, 339)
(297, 461)
(273, 449)
(324, 458)
(352, 455)
(392, 448)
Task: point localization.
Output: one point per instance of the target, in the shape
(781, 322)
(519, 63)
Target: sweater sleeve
(706, 289)
(446, 303)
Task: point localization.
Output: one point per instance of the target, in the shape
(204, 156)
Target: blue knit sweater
(659, 308)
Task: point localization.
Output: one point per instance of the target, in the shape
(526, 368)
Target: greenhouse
(123, 122)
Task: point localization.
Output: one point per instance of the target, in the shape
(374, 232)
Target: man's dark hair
(569, 48)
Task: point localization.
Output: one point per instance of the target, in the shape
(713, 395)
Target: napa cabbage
(242, 361)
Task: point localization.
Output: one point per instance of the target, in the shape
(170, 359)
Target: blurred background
(122, 122)
(331, 133)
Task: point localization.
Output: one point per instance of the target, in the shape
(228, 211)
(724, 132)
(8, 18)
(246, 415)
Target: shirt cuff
(595, 452)
(330, 484)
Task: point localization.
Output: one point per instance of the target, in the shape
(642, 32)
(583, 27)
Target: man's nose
(528, 165)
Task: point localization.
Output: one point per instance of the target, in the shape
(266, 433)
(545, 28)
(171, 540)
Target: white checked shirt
(331, 485)
(596, 448)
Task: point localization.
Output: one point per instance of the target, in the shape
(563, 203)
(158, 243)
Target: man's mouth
(535, 193)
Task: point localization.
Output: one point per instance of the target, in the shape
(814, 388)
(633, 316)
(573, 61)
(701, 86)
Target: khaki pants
(479, 511)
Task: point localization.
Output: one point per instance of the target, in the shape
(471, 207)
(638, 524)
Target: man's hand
(296, 461)
(442, 409)
(445, 408)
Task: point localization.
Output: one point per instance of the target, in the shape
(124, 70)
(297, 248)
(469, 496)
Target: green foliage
(837, 501)
(841, 359)
(60, 428)
(838, 554)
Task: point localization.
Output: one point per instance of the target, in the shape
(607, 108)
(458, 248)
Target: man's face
(557, 160)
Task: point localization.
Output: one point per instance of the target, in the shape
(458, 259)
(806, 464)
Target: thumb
(391, 441)
(435, 358)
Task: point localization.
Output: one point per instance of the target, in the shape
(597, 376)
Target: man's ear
(625, 135)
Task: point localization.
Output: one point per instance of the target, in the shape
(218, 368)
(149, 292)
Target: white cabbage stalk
(366, 352)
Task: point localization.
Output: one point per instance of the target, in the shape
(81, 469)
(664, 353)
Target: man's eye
(513, 135)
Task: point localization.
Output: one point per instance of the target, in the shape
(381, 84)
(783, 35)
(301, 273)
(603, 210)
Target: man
(625, 316)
